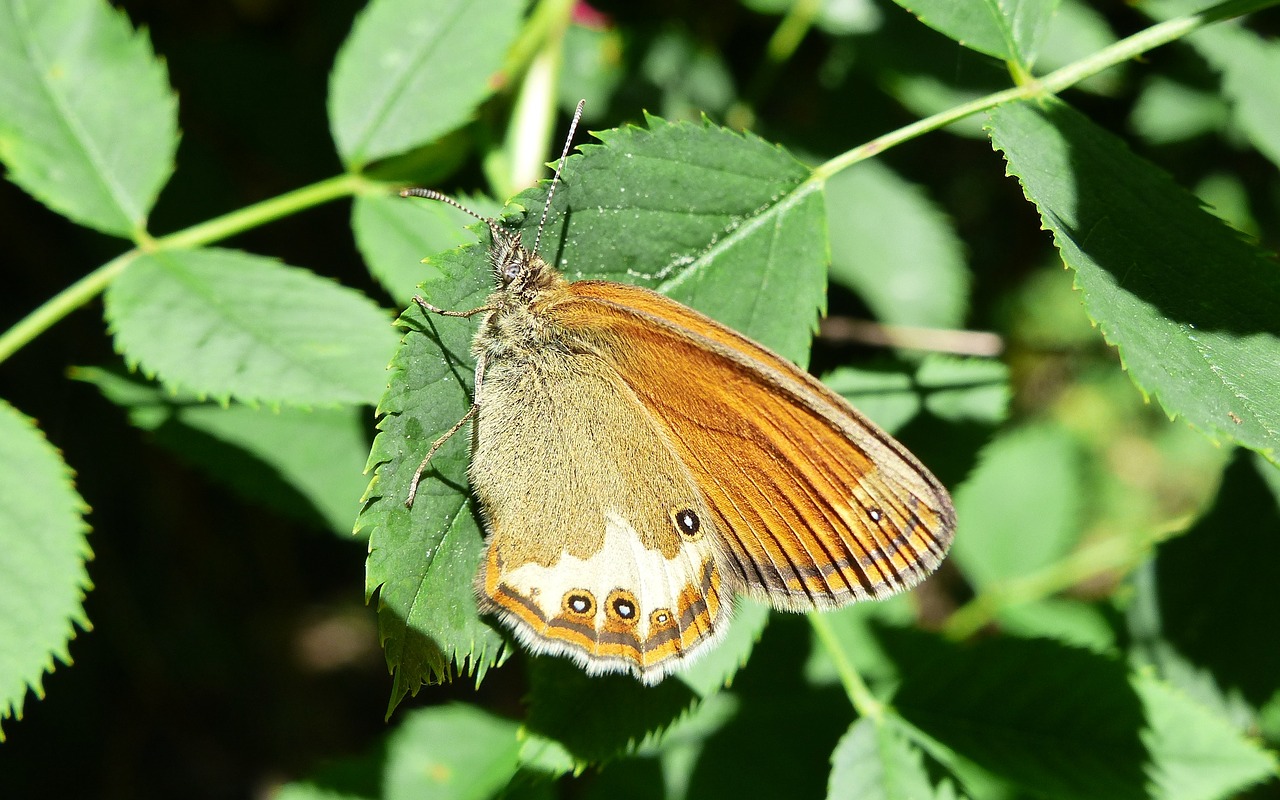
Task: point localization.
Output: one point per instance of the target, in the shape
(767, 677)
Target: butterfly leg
(417, 474)
(438, 443)
(425, 306)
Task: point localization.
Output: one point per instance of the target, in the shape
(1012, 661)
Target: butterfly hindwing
(600, 544)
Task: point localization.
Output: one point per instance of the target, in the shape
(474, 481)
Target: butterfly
(638, 465)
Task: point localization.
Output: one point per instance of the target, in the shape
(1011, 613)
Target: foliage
(1109, 431)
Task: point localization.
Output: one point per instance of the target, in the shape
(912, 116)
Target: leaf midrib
(749, 225)
(200, 288)
(398, 87)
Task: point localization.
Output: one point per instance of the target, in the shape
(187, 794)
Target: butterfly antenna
(555, 179)
(432, 194)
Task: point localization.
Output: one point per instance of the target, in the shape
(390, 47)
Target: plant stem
(93, 284)
(61, 305)
(1114, 554)
(266, 211)
(1056, 81)
(522, 159)
(859, 694)
(791, 30)
(546, 18)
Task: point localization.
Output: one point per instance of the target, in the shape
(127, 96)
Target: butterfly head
(516, 269)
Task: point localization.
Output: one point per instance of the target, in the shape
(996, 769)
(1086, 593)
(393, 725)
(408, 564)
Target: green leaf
(681, 749)
(1059, 721)
(723, 222)
(592, 70)
(303, 462)
(1248, 64)
(1193, 309)
(1010, 30)
(895, 248)
(875, 761)
(953, 389)
(1063, 723)
(422, 563)
(452, 752)
(713, 670)
(1226, 197)
(1047, 313)
(669, 766)
(413, 70)
(1076, 31)
(394, 233)
(226, 324)
(88, 124)
(1071, 622)
(691, 78)
(1270, 476)
(1167, 112)
(538, 754)
(1195, 754)
(965, 389)
(720, 221)
(1202, 619)
(598, 718)
(1020, 509)
(42, 560)
(778, 739)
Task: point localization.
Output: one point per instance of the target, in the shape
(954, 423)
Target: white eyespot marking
(875, 514)
(622, 604)
(579, 602)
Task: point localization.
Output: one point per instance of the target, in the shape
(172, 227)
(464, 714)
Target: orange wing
(820, 506)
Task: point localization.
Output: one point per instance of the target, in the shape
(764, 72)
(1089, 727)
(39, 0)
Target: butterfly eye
(510, 261)
(512, 271)
(622, 604)
(686, 522)
(579, 602)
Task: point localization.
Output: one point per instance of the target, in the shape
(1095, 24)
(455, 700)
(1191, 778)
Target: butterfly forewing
(815, 505)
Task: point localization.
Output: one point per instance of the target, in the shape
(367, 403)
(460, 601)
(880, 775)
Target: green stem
(90, 286)
(522, 159)
(61, 304)
(266, 211)
(859, 694)
(547, 17)
(1148, 39)
(791, 30)
(1118, 554)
